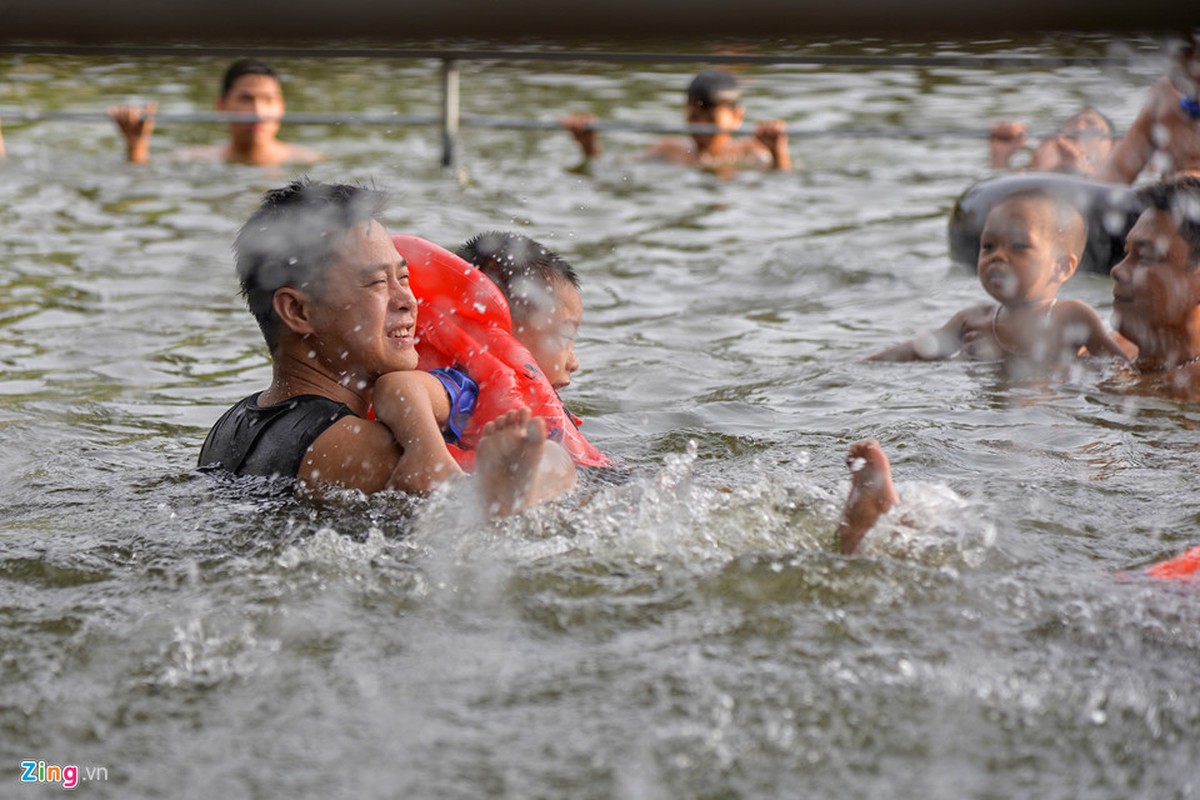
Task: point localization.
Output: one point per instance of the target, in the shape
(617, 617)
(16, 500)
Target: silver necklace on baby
(996, 332)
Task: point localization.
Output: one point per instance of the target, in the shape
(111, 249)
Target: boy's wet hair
(515, 262)
(1070, 226)
(712, 88)
(1180, 196)
(292, 240)
(245, 66)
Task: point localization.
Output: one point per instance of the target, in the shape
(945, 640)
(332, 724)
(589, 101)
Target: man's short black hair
(1180, 196)
(292, 240)
(244, 66)
(714, 87)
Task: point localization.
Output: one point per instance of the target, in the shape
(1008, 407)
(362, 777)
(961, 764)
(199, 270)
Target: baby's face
(1017, 254)
(549, 329)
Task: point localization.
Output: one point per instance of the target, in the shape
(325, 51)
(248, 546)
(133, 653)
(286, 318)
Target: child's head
(714, 87)
(245, 66)
(1093, 133)
(1031, 244)
(713, 99)
(252, 87)
(543, 295)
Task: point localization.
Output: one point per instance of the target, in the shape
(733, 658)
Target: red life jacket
(463, 321)
(1185, 566)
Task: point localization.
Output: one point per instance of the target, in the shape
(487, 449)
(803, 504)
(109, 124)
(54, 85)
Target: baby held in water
(1030, 246)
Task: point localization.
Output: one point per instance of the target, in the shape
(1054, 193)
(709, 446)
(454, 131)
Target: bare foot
(517, 467)
(871, 493)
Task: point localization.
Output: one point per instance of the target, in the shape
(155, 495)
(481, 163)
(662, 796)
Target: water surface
(689, 633)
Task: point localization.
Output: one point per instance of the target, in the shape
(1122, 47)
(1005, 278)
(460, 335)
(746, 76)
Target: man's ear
(292, 307)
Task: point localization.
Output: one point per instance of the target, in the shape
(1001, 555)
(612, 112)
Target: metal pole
(449, 110)
(16, 115)
(994, 61)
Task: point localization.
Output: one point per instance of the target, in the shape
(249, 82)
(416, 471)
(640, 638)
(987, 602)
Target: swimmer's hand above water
(136, 123)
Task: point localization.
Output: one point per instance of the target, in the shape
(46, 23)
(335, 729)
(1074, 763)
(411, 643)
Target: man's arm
(1132, 153)
(353, 453)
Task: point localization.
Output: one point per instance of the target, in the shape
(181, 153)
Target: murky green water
(690, 633)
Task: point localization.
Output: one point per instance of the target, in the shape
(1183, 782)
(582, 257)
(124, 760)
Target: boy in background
(713, 98)
(1165, 135)
(249, 87)
(1079, 147)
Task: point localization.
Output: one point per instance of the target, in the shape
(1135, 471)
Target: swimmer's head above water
(714, 87)
(542, 289)
(292, 240)
(245, 66)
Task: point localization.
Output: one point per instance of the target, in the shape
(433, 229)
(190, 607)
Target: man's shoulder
(253, 439)
(352, 453)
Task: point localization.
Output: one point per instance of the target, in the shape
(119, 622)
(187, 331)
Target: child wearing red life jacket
(496, 333)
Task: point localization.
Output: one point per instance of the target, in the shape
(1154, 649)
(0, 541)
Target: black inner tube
(1109, 210)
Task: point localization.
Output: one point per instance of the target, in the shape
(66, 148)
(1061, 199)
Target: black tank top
(250, 439)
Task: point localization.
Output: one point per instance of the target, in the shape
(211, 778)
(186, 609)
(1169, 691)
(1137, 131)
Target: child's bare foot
(517, 467)
(871, 493)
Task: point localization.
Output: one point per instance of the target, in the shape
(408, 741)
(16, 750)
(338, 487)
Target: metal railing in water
(450, 120)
